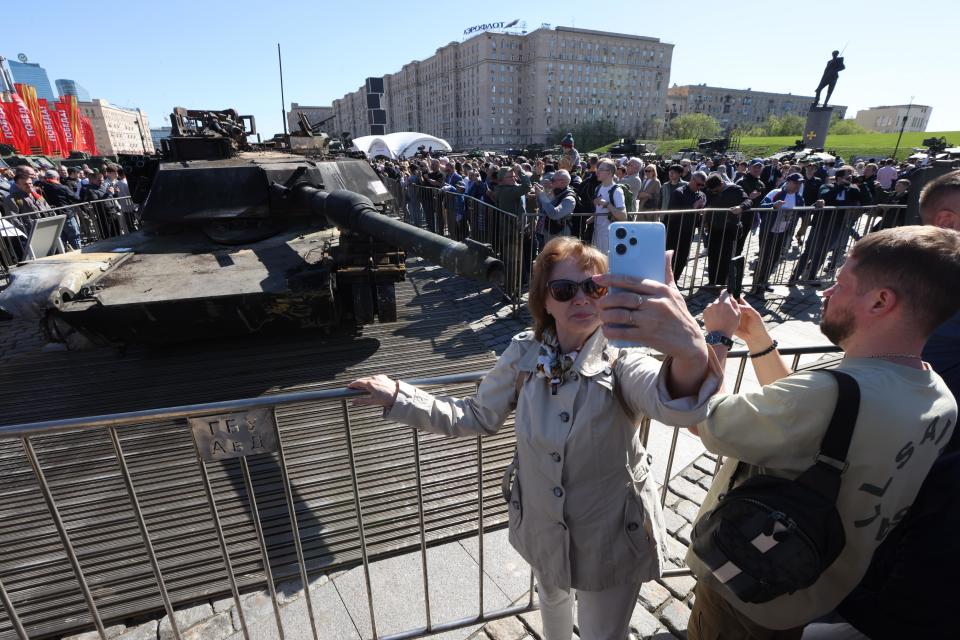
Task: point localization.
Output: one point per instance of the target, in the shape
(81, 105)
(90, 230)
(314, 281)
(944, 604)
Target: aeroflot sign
(490, 25)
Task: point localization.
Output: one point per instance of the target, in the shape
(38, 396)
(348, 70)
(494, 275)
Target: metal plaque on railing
(234, 435)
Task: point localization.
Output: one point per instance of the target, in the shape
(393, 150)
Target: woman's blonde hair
(557, 250)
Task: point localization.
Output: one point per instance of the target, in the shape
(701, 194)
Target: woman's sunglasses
(566, 290)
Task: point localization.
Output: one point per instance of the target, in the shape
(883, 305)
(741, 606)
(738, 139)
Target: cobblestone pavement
(663, 605)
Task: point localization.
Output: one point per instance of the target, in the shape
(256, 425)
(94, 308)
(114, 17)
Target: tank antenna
(283, 103)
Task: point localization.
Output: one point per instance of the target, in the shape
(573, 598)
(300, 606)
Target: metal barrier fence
(85, 223)
(258, 424)
(801, 246)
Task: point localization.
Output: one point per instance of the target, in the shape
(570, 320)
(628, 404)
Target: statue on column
(829, 79)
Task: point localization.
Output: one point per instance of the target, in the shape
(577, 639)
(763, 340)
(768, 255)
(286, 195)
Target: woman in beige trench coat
(583, 509)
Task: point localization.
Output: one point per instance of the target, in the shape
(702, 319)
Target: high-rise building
(501, 90)
(118, 130)
(34, 75)
(737, 107)
(67, 87)
(889, 119)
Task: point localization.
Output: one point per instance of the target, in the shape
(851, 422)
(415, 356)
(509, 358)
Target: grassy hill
(873, 145)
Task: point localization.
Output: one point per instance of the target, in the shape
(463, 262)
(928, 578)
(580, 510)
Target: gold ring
(639, 301)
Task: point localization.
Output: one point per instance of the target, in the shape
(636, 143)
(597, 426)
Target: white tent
(402, 144)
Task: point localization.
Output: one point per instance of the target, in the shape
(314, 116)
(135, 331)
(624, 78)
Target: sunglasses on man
(566, 290)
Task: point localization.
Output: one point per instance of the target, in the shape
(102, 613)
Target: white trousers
(601, 615)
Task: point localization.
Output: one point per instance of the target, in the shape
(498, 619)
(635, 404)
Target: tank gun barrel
(349, 210)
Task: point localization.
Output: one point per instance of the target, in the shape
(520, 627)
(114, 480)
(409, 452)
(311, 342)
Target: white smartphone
(637, 249)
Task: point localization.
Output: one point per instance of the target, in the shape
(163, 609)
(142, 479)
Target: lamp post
(903, 126)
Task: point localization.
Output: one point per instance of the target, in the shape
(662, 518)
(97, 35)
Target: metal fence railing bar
(787, 247)
(189, 414)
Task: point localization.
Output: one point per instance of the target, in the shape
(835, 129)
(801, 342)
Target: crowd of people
(580, 195)
(95, 202)
(584, 509)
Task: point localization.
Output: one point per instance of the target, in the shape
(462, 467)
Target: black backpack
(771, 536)
(583, 210)
(556, 226)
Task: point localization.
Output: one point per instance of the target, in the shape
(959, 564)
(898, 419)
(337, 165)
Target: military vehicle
(235, 241)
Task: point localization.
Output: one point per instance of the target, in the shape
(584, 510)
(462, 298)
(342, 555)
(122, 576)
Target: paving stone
(145, 631)
(186, 618)
(216, 628)
(688, 490)
(683, 535)
(506, 629)
(705, 465)
(675, 616)
(112, 632)
(223, 604)
(705, 482)
(672, 499)
(676, 550)
(673, 520)
(643, 623)
(692, 474)
(533, 622)
(653, 594)
(680, 586)
(255, 606)
(688, 510)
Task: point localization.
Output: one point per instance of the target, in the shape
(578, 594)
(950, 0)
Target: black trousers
(680, 229)
(723, 240)
(771, 246)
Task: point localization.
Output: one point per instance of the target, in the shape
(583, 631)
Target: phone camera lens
(621, 233)
(633, 241)
(621, 249)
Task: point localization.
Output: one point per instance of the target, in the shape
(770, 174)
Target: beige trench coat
(584, 511)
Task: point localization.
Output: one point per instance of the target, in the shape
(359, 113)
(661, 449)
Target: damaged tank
(235, 241)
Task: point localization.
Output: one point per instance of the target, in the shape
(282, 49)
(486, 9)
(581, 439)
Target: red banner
(52, 130)
(68, 105)
(63, 119)
(10, 131)
(88, 135)
(22, 114)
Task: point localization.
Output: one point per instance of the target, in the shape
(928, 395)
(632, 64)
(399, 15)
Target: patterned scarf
(551, 364)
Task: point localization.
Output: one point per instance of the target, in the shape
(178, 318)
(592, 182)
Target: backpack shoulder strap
(836, 441)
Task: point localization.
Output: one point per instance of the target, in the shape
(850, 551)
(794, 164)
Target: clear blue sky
(156, 55)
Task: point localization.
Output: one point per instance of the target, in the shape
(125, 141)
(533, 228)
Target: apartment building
(118, 130)
(737, 107)
(889, 119)
(499, 90)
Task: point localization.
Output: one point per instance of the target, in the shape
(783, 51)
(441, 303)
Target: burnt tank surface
(235, 241)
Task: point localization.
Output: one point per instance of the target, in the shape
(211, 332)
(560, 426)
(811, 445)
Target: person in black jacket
(725, 227)
(829, 227)
(59, 195)
(680, 226)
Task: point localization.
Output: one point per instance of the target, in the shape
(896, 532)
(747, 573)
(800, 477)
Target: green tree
(847, 127)
(788, 125)
(694, 125)
(587, 135)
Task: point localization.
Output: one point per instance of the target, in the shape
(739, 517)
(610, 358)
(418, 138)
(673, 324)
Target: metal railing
(85, 223)
(799, 246)
(112, 423)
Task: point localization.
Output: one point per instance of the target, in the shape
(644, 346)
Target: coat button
(555, 456)
(557, 491)
(564, 417)
(632, 526)
(515, 504)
